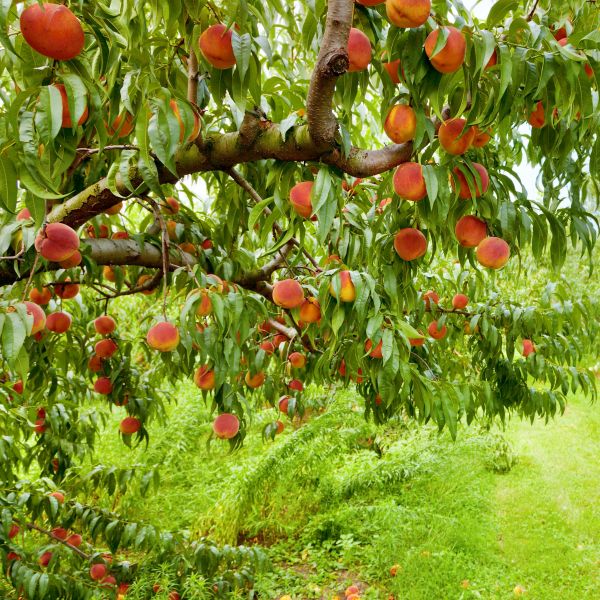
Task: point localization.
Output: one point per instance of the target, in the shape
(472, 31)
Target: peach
(121, 126)
(95, 363)
(102, 231)
(417, 341)
(454, 137)
(97, 571)
(206, 244)
(296, 384)
(103, 385)
(13, 531)
(58, 322)
(109, 273)
(283, 404)
(452, 55)
(40, 426)
(23, 214)
(216, 46)
(470, 231)
(382, 205)
(459, 301)
(528, 348)
(60, 532)
(408, 13)
(401, 124)
(130, 425)
(394, 570)
(12, 556)
(256, 380)
(144, 279)
(345, 287)
(57, 242)
(115, 209)
(72, 261)
(435, 332)
(279, 339)
(172, 229)
(18, 387)
(359, 50)
(393, 68)
(163, 336)
(45, 559)
(537, 117)
(279, 426)
(59, 496)
(66, 290)
(374, 352)
(67, 123)
(105, 348)
(170, 206)
(493, 252)
(351, 590)
(430, 296)
(409, 182)
(481, 137)
(297, 360)
(267, 347)
(478, 188)
(104, 325)
(195, 130)
(204, 307)
(39, 317)
(226, 426)
(187, 247)
(41, 297)
(300, 198)
(410, 244)
(74, 540)
(52, 30)
(288, 293)
(310, 310)
(588, 71)
(493, 60)
(204, 378)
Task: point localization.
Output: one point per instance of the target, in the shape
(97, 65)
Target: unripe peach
(347, 291)
(95, 363)
(435, 333)
(410, 244)
(408, 13)
(537, 118)
(297, 360)
(470, 230)
(300, 198)
(256, 380)
(393, 68)
(455, 138)
(66, 114)
(41, 297)
(104, 325)
(97, 571)
(216, 46)
(452, 55)
(39, 317)
(105, 348)
(430, 296)
(284, 403)
(528, 348)
(359, 50)
(163, 336)
(130, 425)
(52, 30)
(288, 293)
(310, 311)
(226, 426)
(459, 301)
(401, 124)
(478, 188)
(374, 352)
(296, 384)
(73, 260)
(58, 322)
(493, 252)
(103, 385)
(45, 559)
(481, 137)
(66, 290)
(23, 215)
(409, 182)
(57, 242)
(204, 378)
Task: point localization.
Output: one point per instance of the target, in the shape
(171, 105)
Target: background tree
(316, 255)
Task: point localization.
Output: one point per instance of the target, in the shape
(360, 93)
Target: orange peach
(408, 13)
(57, 242)
(493, 60)
(39, 317)
(216, 46)
(537, 118)
(437, 333)
(454, 137)
(452, 55)
(417, 341)
(193, 135)
(343, 286)
(409, 182)
(105, 348)
(351, 590)
(72, 261)
(288, 293)
(401, 124)
(204, 307)
(359, 50)
(142, 280)
(103, 385)
(459, 301)
(226, 426)
(374, 352)
(528, 348)
(67, 123)
(410, 244)
(310, 310)
(41, 297)
(170, 206)
(204, 378)
(52, 30)
(115, 209)
(478, 188)
(493, 252)
(393, 68)
(256, 380)
(59, 496)
(121, 126)
(481, 137)
(470, 230)
(58, 322)
(163, 336)
(130, 425)
(300, 198)
(297, 360)
(74, 540)
(104, 325)
(430, 296)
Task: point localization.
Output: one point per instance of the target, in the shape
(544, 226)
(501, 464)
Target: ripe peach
(226, 426)
(283, 404)
(310, 310)
(66, 290)
(57, 242)
(537, 118)
(204, 307)
(204, 378)
(359, 50)
(351, 590)
(297, 360)
(104, 325)
(97, 571)
(109, 273)
(347, 291)
(381, 206)
(45, 559)
(170, 206)
(408, 13)
(452, 55)
(103, 385)
(478, 188)
(454, 137)
(493, 252)
(58, 322)
(435, 332)
(410, 244)
(528, 348)
(141, 281)
(374, 352)
(206, 244)
(288, 293)
(163, 336)
(39, 317)
(279, 339)
(105, 348)
(417, 341)
(256, 380)
(481, 137)
(121, 126)
(174, 596)
(95, 363)
(195, 130)
(493, 60)
(59, 496)
(459, 301)
(74, 260)
(74, 540)
(588, 71)
(172, 229)
(470, 231)
(23, 215)
(401, 124)
(267, 347)
(66, 114)
(41, 297)
(296, 384)
(52, 30)
(18, 387)
(280, 426)
(40, 426)
(216, 46)
(60, 532)
(130, 425)
(300, 198)
(430, 296)
(13, 531)
(409, 182)
(188, 248)
(393, 68)
(102, 231)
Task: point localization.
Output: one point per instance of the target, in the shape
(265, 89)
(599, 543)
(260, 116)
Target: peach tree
(260, 195)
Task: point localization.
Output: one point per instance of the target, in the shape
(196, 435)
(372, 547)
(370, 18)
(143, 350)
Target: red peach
(121, 126)
(493, 60)
(75, 540)
(430, 296)
(103, 385)
(452, 55)
(470, 231)
(280, 426)
(374, 352)
(226, 426)
(67, 123)
(105, 348)
(18, 387)
(359, 50)
(120, 235)
(300, 198)
(284, 403)
(410, 244)
(393, 68)
(288, 293)
(74, 260)
(23, 215)
(454, 137)
(481, 137)
(45, 559)
(204, 307)
(170, 206)
(528, 348)
(59, 496)
(296, 384)
(60, 532)
(216, 46)
(39, 317)
(256, 380)
(204, 378)
(537, 118)
(478, 188)
(163, 336)
(130, 425)
(401, 124)
(267, 347)
(459, 301)
(409, 182)
(104, 325)
(66, 290)
(435, 332)
(58, 322)
(297, 360)
(97, 571)
(95, 363)
(57, 242)
(493, 252)
(13, 531)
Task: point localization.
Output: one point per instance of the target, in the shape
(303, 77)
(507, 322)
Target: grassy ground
(338, 502)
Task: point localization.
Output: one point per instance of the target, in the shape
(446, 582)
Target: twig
(532, 11)
(31, 274)
(16, 256)
(110, 147)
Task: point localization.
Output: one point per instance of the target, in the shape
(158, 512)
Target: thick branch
(192, 91)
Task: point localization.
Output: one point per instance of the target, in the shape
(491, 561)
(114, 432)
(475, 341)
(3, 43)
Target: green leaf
(499, 11)
(8, 184)
(14, 333)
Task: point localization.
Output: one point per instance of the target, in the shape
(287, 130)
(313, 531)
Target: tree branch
(192, 90)
(250, 280)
